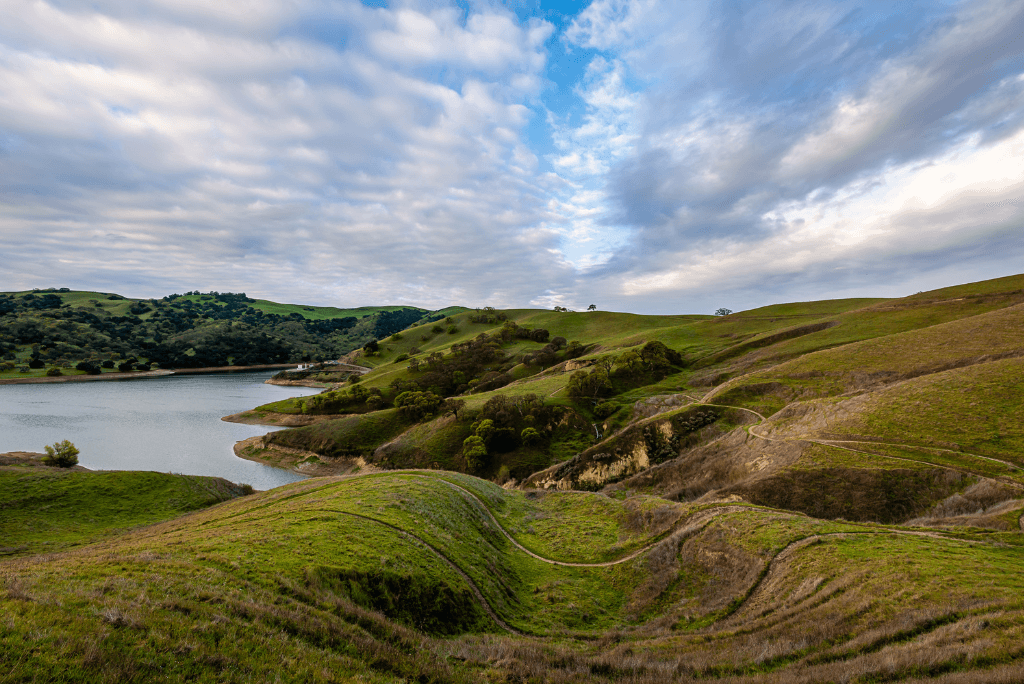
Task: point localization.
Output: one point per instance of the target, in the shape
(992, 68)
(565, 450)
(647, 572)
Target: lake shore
(139, 375)
(298, 461)
(272, 419)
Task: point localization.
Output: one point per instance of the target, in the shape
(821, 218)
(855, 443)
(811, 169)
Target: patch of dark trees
(223, 348)
(390, 322)
(613, 375)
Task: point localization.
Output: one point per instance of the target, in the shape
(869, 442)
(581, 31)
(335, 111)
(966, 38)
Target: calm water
(167, 424)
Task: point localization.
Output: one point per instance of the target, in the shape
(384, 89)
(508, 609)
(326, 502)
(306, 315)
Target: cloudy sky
(660, 156)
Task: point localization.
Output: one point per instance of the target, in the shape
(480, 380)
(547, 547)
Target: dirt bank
(303, 462)
(30, 459)
(276, 419)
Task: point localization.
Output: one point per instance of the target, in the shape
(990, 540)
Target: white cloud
(224, 154)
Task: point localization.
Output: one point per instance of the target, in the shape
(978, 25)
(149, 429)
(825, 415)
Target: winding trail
(838, 444)
(419, 541)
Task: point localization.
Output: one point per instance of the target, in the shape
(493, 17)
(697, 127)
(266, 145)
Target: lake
(169, 424)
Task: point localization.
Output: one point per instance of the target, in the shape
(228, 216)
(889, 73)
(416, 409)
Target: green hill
(443, 577)
(807, 492)
(93, 332)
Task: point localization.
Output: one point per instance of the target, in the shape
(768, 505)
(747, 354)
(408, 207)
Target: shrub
(107, 364)
(88, 367)
(605, 409)
(54, 372)
(62, 454)
(452, 329)
(6, 366)
(400, 358)
(530, 436)
(417, 405)
(475, 452)
(395, 337)
(247, 489)
(36, 363)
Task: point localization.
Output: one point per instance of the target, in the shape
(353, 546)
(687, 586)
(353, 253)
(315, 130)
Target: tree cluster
(633, 367)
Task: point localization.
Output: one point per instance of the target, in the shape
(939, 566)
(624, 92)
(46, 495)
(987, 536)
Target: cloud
(179, 149)
(333, 152)
(828, 108)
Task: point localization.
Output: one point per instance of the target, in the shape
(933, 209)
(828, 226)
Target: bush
(530, 436)
(605, 409)
(475, 452)
(6, 366)
(36, 363)
(452, 329)
(417, 405)
(247, 489)
(53, 372)
(62, 454)
(88, 367)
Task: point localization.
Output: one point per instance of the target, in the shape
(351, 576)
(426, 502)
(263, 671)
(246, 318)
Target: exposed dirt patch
(278, 419)
(304, 462)
(703, 470)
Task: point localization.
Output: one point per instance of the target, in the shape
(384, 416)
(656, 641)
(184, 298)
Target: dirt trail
(482, 506)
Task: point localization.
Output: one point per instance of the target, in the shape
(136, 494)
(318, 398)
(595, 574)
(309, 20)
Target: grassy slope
(866, 341)
(250, 587)
(47, 509)
(744, 593)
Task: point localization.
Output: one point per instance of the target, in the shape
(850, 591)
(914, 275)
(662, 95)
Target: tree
(62, 454)
(475, 452)
(723, 312)
(530, 436)
(592, 307)
(453, 406)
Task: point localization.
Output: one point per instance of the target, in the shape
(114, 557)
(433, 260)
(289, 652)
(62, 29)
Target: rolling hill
(809, 492)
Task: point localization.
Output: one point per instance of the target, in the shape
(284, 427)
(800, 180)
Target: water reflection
(167, 424)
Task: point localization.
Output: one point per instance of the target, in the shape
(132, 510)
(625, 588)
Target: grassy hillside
(74, 333)
(930, 379)
(49, 509)
(442, 577)
(807, 492)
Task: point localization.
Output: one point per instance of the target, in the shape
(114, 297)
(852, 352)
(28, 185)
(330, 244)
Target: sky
(653, 156)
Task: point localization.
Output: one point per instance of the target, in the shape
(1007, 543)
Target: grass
(375, 578)
(48, 509)
(287, 578)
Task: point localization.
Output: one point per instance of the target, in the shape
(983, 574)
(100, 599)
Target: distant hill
(62, 328)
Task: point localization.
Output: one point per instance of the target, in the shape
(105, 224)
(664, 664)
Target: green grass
(288, 576)
(48, 509)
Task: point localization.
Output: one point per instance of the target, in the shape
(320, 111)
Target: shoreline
(140, 375)
(306, 463)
